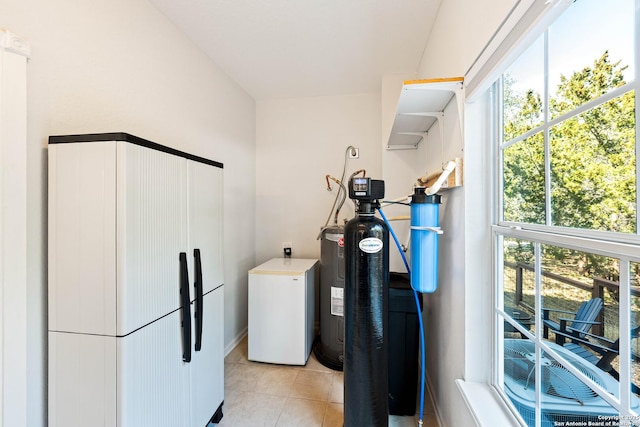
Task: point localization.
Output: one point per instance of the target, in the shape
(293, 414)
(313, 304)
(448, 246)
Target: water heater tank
(329, 349)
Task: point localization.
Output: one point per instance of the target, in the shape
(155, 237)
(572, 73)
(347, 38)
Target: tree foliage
(592, 156)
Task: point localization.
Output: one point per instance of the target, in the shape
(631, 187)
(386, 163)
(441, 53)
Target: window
(567, 245)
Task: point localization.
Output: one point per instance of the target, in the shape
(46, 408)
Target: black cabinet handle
(199, 298)
(185, 300)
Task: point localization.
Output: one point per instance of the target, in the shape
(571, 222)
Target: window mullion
(637, 113)
(499, 134)
(637, 118)
(538, 303)
(612, 94)
(624, 331)
(547, 143)
(499, 301)
(596, 246)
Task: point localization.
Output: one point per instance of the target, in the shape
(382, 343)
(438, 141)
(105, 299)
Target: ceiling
(304, 48)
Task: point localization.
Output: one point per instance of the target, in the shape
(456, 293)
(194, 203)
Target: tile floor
(262, 394)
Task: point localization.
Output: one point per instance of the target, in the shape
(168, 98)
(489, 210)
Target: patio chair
(598, 350)
(581, 322)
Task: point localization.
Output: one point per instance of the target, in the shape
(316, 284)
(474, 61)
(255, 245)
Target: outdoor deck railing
(597, 289)
(520, 285)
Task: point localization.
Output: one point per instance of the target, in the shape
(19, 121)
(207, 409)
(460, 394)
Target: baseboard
(434, 403)
(234, 342)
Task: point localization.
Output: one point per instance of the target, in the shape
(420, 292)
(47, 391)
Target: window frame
(624, 252)
(622, 246)
(544, 129)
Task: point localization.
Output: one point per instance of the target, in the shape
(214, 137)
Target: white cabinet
(207, 386)
(281, 310)
(135, 284)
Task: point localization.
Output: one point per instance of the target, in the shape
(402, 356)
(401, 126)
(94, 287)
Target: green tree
(524, 195)
(593, 183)
(593, 154)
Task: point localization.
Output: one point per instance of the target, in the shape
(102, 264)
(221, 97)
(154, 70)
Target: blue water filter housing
(425, 227)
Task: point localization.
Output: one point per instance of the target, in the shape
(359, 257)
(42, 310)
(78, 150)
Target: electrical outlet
(287, 248)
(354, 153)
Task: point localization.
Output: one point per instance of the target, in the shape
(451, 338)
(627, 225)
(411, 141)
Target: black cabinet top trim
(122, 136)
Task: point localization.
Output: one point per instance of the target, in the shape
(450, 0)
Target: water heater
(329, 348)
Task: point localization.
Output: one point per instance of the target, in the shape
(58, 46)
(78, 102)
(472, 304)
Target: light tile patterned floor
(261, 394)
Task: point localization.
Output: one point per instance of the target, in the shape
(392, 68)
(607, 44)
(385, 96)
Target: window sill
(485, 405)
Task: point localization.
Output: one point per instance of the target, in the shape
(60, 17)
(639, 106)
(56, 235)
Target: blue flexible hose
(415, 296)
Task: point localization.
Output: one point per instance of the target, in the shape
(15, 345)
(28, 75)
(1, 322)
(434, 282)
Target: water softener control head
(366, 189)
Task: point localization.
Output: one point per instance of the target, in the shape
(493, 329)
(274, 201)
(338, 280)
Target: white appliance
(281, 310)
(135, 284)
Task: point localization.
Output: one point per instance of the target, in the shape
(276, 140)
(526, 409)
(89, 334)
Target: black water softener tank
(329, 348)
(366, 382)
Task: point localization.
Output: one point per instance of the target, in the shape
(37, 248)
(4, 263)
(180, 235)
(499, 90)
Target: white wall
(400, 168)
(101, 66)
(104, 66)
(299, 141)
(460, 32)
(458, 331)
(444, 309)
(13, 231)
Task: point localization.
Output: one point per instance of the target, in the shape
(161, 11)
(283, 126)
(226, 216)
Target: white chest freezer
(281, 310)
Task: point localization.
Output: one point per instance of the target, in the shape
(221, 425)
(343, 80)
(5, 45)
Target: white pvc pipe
(451, 165)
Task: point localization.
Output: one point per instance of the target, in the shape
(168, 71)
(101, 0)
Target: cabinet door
(82, 380)
(82, 239)
(207, 365)
(205, 221)
(277, 318)
(152, 218)
(153, 381)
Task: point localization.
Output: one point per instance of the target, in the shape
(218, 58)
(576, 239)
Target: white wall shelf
(421, 106)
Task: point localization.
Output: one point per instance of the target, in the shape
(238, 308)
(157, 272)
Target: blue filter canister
(424, 240)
